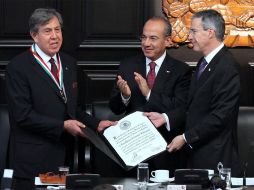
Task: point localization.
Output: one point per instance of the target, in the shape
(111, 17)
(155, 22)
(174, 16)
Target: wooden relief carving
(238, 15)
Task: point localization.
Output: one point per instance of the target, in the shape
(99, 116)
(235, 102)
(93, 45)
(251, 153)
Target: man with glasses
(154, 81)
(213, 103)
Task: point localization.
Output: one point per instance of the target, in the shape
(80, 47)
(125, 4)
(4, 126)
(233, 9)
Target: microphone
(245, 165)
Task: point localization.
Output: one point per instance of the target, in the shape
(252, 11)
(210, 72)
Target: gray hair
(168, 27)
(41, 17)
(212, 19)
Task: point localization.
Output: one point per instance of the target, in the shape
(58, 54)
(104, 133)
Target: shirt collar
(158, 61)
(44, 56)
(210, 56)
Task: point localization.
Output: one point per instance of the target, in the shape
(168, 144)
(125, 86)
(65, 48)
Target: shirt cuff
(148, 96)
(186, 141)
(167, 121)
(125, 100)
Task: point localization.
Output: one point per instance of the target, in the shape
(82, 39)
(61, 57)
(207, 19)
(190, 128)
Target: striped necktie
(201, 67)
(151, 75)
(54, 69)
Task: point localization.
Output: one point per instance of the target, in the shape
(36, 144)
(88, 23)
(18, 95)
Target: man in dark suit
(211, 123)
(134, 91)
(42, 101)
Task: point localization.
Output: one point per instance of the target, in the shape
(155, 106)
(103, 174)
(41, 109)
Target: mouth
(148, 50)
(54, 45)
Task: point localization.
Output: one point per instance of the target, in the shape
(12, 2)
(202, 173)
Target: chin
(149, 56)
(195, 48)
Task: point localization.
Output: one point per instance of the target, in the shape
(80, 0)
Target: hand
(104, 124)
(142, 84)
(176, 144)
(74, 127)
(157, 118)
(123, 87)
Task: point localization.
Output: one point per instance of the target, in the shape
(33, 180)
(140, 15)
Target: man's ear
(168, 41)
(34, 36)
(211, 33)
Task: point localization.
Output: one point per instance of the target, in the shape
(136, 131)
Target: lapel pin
(66, 68)
(167, 71)
(209, 69)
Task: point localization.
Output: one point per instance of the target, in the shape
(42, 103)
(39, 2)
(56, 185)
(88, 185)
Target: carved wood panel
(238, 16)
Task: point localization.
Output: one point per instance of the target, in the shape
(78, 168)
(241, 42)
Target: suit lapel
(194, 82)
(38, 69)
(164, 72)
(197, 83)
(211, 66)
(67, 79)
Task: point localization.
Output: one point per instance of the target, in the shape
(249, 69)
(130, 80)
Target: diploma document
(133, 140)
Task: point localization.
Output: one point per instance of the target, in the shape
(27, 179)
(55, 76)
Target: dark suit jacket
(168, 95)
(37, 113)
(211, 123)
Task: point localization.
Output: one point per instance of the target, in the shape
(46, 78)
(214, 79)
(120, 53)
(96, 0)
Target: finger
(122, 86)
(107, 123)
(80, 133)
(170, 145)
(81, 125)
(146, 114)
(120, 83)
(171, 149)
(110, 123)
(115, 123)
(119, 77)
(137, 74)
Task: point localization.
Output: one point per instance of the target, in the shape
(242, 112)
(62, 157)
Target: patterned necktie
(54, 69)
(201, 67)
(151, 75)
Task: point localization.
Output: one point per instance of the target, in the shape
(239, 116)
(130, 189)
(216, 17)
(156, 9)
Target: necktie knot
(52, 62)
(151, 75)
(152, 65)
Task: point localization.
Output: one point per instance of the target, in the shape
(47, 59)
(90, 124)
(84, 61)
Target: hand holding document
(133, 140)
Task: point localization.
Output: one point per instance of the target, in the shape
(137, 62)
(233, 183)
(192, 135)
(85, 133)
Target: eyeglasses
(194, 31)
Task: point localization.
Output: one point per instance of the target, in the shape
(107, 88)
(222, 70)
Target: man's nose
(146, 42)
(53, 34)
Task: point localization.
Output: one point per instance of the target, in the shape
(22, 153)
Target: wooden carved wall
(238, 16)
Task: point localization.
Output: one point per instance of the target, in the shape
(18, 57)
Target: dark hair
(212, 19)
(42, 16)
(168, 27)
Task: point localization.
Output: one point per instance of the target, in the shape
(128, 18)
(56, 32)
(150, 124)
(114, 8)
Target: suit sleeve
(21, 106)
(223, 108)
(174, 106)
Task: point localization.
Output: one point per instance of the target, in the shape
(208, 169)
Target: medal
(41, 62)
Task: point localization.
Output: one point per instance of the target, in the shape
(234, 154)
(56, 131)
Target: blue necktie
(201, 67)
